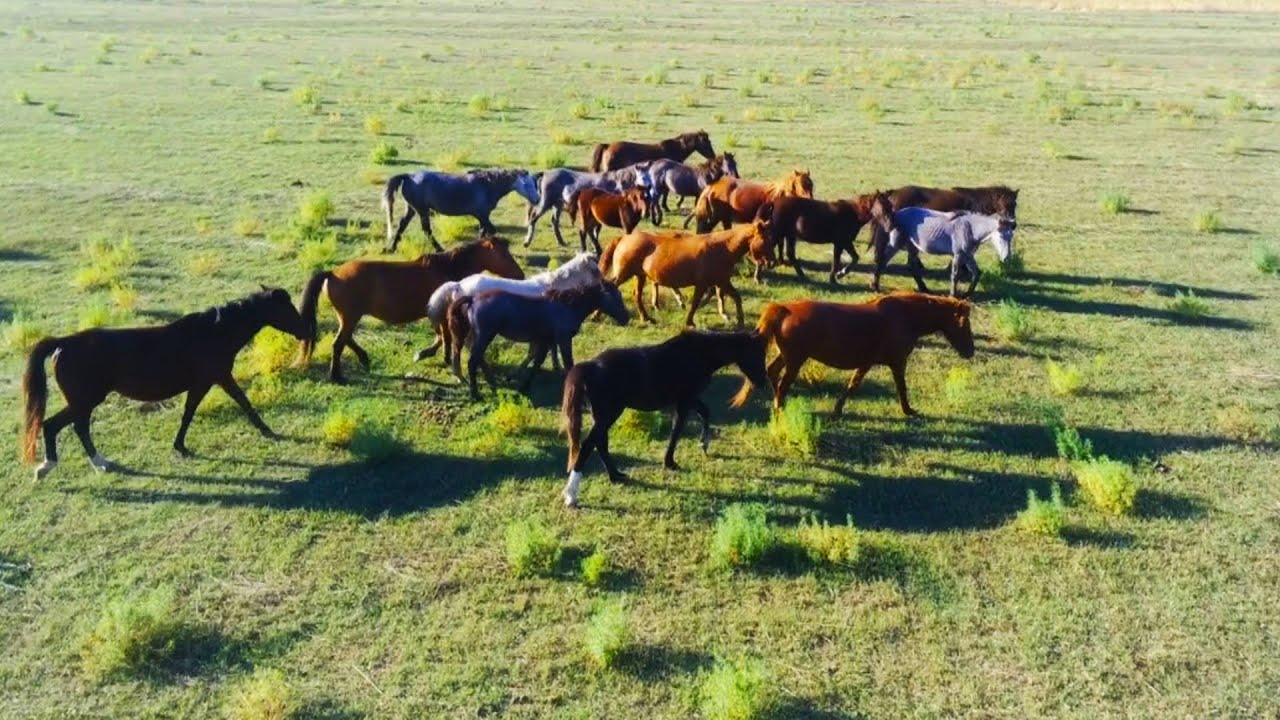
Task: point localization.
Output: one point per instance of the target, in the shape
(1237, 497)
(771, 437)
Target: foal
(593, 209)
(798, 218)
(651, 377)
(190, 354)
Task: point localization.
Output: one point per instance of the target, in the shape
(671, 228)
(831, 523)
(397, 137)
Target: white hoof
(43, 468)
(100, 463)
(570, 493)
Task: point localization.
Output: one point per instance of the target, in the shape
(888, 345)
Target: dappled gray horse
(558, 187)
(685, 181)
(958, 234)
(473, 193)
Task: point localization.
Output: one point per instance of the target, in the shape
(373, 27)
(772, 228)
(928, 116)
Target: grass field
(333, 584)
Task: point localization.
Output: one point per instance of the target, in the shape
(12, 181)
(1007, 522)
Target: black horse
(190, 354)
(651, 377)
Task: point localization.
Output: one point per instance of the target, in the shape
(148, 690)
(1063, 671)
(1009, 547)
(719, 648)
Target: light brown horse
(618, 155)
(677, 259)
(395, 292)
(729, 200)
(593, 209)
(856, 337)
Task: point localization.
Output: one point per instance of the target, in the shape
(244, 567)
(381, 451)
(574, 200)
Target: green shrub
(1266, 259)
(608, 634)
(708, 80)
(265, 390)
(339, 427)
(22, 96)
(1064, 379)
(375, 125)
(580, 110)
(1014, 322)
(1114, 203)
(731, 140)
(97, 313)
(656, 76)
(454, 160)
(825, 544)
(560, 136)
(383, 153)
(314, 211)
(205, 263)
(1207, 222)
(479, 105)
(374, 442)
(21, 333)
(134, 637)
(124, 297)
(1108, 485)
(306, 96)
(742, 537)
(271, 135)
(454, 228)
(1236, 145)
(264, 696)
(797, 427)
(1189, 305)
(532, 548)
(641, 425)
(736, 691)
(247, 226)
(271, 351)
(595, 568)
(1043, 517)
(871, 109)
(319, 253)
(1070, 445)
(549, 157)
(957, 386)
(107, 263)
(1053, 150)
(513, 414)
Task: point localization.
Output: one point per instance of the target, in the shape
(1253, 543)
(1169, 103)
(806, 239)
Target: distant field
(383, 589)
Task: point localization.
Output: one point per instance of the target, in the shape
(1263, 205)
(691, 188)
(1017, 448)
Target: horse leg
(565, 346)
(81, 425)
(615, 475)
(677, 427)
(425, 215)
(970, 262)
(790, 242)
(361, 355)
(917, 270)
(678, 296)
(431, 349)
(194, 396)
(657, 298)
(705, 414)
(52, 426)
(345, 331)
(849, 389)
(784, 383)
(882, 254)
(900, 382)
(836, 248)
(850, 247)
(737, 300)
(538, 355)
(555, 224)
(698, 292)
(486, 225)
(775, 370)
(640, 280)
(534, 213)
(476, 360)
(404, 224)
(232, 388)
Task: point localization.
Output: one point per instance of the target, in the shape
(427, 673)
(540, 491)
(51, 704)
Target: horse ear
(264, 287)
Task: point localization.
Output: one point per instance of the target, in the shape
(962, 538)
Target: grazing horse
(835, 222)
(558, 187)
(856, 337)
(678, 259)
(653, 377)
(958, 234)
(544, 322)
(593, 209)
(474, 193)
(729, 200)
(621, 154)
(395, 292)
(670, 177)
(190, 354)
(581, 271)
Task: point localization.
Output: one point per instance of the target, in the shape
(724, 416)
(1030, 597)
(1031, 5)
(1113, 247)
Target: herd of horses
(477, 291)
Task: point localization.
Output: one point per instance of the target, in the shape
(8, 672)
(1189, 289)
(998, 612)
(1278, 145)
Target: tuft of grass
(607, 635)
(306, 96)
(513, 414)
(374, 442)
(1266, 259)
(1189, 305)
(549, 157)
(270, 352)
(580, 110)
(1064, 379)
(271, 135)
(205, 263)
(1236, 145)
(1071, 446)
(641, 425)
(595, 568)
(656, 76)
(1043, 517)
(1207, 221)
(265, 695)
(454, 228)
(736, 691)
(731, 140)
(133, 638)
(247, 226)
(97, 313)
(149, 55)
(455, 160)
(51, 108)
(707, 80)
(383, 153)
(21, 333)
(339, 427)
(124, 297)
(375, 125)
(871, 109)
(742, 537)
(797, 427)
(826, 544)
(1014, 322)
(107, 263)
(1053, 150)
(314, 211)
(479, 105)
(1114, 203)
(748, 90)
(532, 548)
(1108, 485)
(958, 385)
(22, 96)
(319, 252)
(564, 137)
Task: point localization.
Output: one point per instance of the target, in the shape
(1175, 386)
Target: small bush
(271, 135)
(314, 211)
(826, 544)
(1108, 485)
(871, 109)
(580, 110)
(205, 263)
(21, 333)
(1189, 305)
(319, 253)
(736, 691)
(513, 414)
(51, 108)
(479, 105)
(1235, 146)
(271, 351)
(22, 96)
(641, 425)
(1064, 379)
(708, 80)
(748, 90)
(595, 568)
(134, 637)
(532, 548)
(454, 228)
(264, 696)
(797, 427)
(1053, 150)
(265, 390)
(383, 153)
(374, 125)
(1266, 259)
(339, 427)
(306, 96)
(564, 137)
(124, 297)
(373, 442)
(454, 160)
(247, 226)
(1043, 517)
(742, 537)
(731, 140)
(108, 262)
(549, 157)
(1207, 222)
(149, 55)
(1114, 203)
(656, 76)
(1070, 445)
(1013, 322)
(958, 385)
(96, 314)
(608, 634)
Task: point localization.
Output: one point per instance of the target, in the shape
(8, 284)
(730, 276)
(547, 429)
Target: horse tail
(597, 157)
(606, 258)
(35, 395)
(389, 200)
(575, 382)
(439, 302)
(770, 321)
(701, 209)
(310, 300)
(459, 320)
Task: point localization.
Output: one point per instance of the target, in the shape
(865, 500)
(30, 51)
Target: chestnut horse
(395, 292)
(678, 259)
(729, 200)
(593, 209)
(856, 337)
(835, 222)
(618, 155)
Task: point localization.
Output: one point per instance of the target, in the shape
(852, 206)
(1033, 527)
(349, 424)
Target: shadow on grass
(1162, 288)
(1076, 536)
(13, 573)
(20, 255)
(652, 663)
(794, 708)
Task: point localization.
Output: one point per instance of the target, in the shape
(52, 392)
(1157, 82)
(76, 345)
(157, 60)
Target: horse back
(147, 364)
(395, 292)
(843, 335)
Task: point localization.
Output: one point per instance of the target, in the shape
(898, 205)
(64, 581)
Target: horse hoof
(620, 478)
(100, 463)
(671, 465)
(44, 468)
(183, 452)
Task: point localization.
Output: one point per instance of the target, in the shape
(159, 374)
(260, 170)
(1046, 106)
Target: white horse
(582, 271)
(958, 234)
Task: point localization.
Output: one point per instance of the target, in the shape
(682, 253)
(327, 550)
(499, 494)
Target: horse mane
(581, 271)
(572, 295)
(934, 302)
(227, 311)
(496, 175)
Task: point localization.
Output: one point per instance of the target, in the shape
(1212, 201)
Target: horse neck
(676, 150)
(739, 241)
(237, 326)
(926, 316)
(583, 305)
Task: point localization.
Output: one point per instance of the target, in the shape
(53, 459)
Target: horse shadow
(20, 255)
(1063, 304)
(653, 663)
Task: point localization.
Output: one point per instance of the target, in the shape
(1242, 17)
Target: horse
(678, 259)
(729, 200)
(670, 177)
(474, 193)
(958, 234)
(621, 154)
(835, 222)
(551, 320)
(558, 187)
(190, 354)
(856, 337)
(395, 292)
(668, 375)
(581, 271)
(593, 209)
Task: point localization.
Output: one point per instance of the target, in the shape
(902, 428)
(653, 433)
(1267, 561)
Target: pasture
(158, 159)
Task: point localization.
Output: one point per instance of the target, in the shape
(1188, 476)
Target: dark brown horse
(593, 209)
(990, 200)
(857, 337)
(797, 218)
(395, 292)
(618, 155)
(190, 354)
(729, 200)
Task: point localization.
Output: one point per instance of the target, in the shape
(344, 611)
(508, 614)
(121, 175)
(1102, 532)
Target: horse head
(700, 142)
(800, 183)
(761, 241)
(1002, 237)
(493, 254)
(612, 304)
(750, 358)
(882, 212)
(1005, 203)
(956, 328)
(278, 311)
(729, 164)
(526, 186)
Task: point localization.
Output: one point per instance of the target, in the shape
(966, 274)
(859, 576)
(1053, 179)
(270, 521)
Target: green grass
(595, 568)
(134, 638)
(1013, 322)
(532, 548)
(1108, 485)
(1208, 221)
(742, 537)
(1189, 305)
(383, 153)
(1266, 259)
(737, 691)
(1115, 202)
(607, 635)
(1064, 378)
(797, 428)
(1043, 517)
(266, 695)
(824, 544)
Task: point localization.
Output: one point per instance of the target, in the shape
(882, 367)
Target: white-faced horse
(958, 234)
(473, 193)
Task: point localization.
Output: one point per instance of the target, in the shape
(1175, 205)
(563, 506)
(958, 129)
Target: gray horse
(958, 234)
(474, 193)
(559, 186)
(685, 181)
